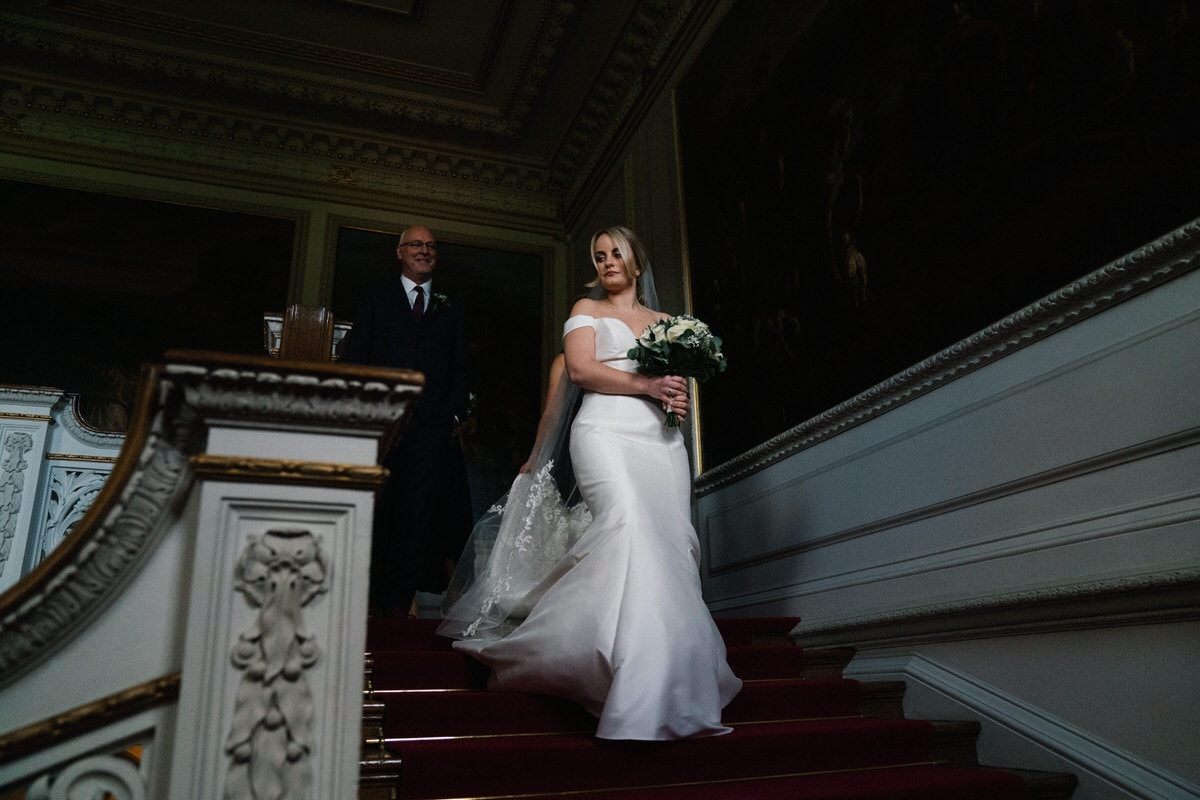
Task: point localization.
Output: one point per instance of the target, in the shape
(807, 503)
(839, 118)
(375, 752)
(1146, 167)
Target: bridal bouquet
(681, 345)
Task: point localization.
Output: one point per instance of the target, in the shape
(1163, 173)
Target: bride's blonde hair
(636, 260)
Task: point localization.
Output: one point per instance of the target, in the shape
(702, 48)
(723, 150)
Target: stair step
(379, 778)
(448, 669)
(421, 634)
(955, 742)
(432, 731)
(1040, 785)
(908, 782)
(532, 764)
(882, 699)
(403, 669)
(756, 630)
(756, 662)
(826, 662)
(381, 781)
(418, 714)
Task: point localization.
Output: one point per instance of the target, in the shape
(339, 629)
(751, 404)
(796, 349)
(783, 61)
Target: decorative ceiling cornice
(609, 111)
(227, 36)
(209, 73)
(89, 128)
(87, 97)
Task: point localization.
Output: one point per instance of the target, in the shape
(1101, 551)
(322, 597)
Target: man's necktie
(419, 303)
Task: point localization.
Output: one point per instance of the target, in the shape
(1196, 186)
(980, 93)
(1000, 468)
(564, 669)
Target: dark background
(967, 158)
(94, 285)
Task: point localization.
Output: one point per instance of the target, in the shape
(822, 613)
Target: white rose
(681, 328)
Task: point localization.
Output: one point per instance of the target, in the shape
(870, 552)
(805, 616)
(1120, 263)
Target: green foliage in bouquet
(680, 345)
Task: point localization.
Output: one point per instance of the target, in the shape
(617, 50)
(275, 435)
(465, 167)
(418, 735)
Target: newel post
(286, 468)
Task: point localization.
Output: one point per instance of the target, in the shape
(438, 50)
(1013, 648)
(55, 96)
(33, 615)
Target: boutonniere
(438, 300)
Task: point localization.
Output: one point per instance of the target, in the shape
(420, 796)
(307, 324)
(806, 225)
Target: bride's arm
(586, 372)
(550, 412)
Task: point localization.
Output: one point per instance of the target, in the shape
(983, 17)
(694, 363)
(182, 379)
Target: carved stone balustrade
(207, 615)
(52, 465)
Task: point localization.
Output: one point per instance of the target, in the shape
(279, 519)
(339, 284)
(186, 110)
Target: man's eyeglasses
(430, 246)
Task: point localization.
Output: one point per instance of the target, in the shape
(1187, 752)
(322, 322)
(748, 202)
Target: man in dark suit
(404, 324)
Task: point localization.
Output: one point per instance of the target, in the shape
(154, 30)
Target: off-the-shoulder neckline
(614, 319)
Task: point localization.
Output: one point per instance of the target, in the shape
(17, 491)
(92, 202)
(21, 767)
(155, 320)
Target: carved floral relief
(12, 485)
(279, 573)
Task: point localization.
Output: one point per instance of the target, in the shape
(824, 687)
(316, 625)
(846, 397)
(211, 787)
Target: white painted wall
(1023, 537)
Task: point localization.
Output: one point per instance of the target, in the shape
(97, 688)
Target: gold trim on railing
(275, 470)
(89, 717)
(26, 417)
(74, 457)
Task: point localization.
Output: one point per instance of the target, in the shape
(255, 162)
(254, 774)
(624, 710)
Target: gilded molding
(25, 417)
(1162, 260)
(89, 717)
(273, 470)
(74, 457)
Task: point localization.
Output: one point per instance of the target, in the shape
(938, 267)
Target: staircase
(432, 730)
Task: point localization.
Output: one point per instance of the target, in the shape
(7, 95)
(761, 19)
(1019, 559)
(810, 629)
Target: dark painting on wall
(868, 183)
(501, 292)
(96, 285)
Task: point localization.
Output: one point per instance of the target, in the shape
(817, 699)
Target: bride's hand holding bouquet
(681, 345)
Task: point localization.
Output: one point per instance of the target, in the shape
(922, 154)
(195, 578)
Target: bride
(603, 608)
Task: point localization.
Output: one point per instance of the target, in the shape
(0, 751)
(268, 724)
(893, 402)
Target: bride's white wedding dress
(619, 624)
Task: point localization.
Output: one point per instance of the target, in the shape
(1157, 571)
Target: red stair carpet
(794, 737)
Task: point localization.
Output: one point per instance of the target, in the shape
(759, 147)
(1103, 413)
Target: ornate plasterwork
(12, 486)
(339, 155)
(608, 110)
(80, 431)
(231, 394)
(147, 486)
(95, 776)
(1169, 596)
(70, 493)
(29, 395)
(248, 152)
(1158, 262)
(169, 118)
(85, 578)
(270, 743)
(257, 77)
